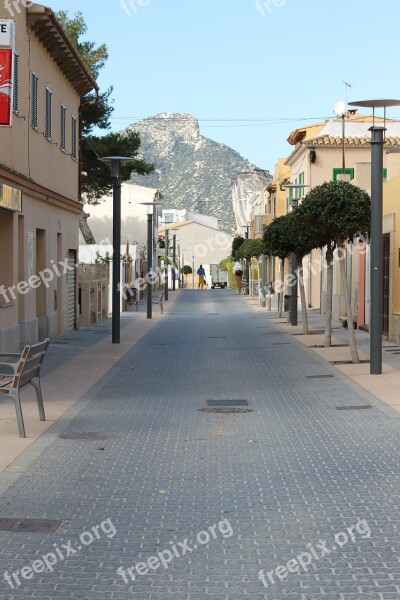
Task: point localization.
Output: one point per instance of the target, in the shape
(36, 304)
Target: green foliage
(93, 56)
(96, 181)
(236, 243)
(336, 211)
(275, 238)
(96, 113)
(186, 270)
(251, 248)
(225, 263)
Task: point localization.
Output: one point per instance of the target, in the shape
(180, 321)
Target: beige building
(39, 181)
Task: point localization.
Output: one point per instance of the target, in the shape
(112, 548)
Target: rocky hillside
(192, 171)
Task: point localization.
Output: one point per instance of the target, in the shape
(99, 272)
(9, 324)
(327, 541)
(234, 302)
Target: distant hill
(192, 171)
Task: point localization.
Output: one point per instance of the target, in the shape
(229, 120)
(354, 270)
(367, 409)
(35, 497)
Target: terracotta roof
(45, 25)
(327, 140)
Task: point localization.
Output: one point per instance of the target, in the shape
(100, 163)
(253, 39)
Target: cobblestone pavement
(297, 489)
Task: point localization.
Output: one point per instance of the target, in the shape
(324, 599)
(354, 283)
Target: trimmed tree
(276, 244)
(300, 240)
(338, 211)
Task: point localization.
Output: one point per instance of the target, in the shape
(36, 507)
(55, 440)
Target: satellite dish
(340, 108)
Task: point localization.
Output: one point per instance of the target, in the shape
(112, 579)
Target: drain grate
(318, 376)
(360, 407)
(332, 346)
(217, 337)
(348, 362)
(30, 525)
(88, 435)
(280, 344)
(223, 410)
(310, 333)
(227, 403)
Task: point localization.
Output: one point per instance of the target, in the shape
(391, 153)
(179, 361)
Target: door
(386, 283)
(71, 290)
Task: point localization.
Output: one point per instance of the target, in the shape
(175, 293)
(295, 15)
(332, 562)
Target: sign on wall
(7, 42)
(10, 198)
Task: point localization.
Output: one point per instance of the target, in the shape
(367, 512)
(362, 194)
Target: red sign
(6, 56)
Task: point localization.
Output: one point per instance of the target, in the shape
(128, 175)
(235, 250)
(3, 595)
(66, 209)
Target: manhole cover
(87, 435)
(30, 525)
(361, 407)
(222, 410)
(318, 376)
(227, 403)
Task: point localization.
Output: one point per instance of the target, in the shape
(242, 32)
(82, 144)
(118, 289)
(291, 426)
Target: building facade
(39, 181)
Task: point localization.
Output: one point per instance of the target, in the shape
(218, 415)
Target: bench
(132, 298)
(159, 301)
(16, 371)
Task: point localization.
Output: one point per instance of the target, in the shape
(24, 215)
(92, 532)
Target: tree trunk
(329, 293)
(281, 285)
(352, 337)
(300, 272)
(85, 229)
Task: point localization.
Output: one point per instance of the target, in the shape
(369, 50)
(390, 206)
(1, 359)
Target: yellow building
(39, 181)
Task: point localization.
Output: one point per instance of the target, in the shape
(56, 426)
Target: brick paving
(284, 483)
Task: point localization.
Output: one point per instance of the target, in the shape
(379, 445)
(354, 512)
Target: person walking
(201, 273)
(238, 272)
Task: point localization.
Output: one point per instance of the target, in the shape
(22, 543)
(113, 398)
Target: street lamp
(376, 274)
(116, 162)
(166, 264)
(293, 307)
(150, 212)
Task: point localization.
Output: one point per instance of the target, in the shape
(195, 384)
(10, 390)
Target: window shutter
(34, 101)
(47, 129)
(62, 127)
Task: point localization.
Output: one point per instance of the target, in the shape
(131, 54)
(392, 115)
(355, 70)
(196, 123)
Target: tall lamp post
(376, 274)
(150, 212)
(173, 260)
(166, 261)
(247, 270)
(116, 162)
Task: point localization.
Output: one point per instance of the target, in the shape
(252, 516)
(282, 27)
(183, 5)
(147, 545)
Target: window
(34, 101)
(169, 219)
(73, 138)
(63, 113)
(15, 85)
(47, 128)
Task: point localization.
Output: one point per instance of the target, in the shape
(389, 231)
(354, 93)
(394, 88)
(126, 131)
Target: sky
(250, 71)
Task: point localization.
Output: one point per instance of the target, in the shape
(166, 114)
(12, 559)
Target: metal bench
(16, 371)
(132, 298)
(159, 301)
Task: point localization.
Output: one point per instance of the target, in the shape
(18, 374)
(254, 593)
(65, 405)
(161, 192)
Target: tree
(277, 244)
(300, 240)
(338, 211)
(236, 243)
(95, 113)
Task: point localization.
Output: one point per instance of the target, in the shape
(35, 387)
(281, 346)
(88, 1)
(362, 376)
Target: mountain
(192, 171)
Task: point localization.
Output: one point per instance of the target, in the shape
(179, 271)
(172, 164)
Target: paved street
(290, 498)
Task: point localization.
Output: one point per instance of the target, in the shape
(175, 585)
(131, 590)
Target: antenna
(348, 85)
(340, 108)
